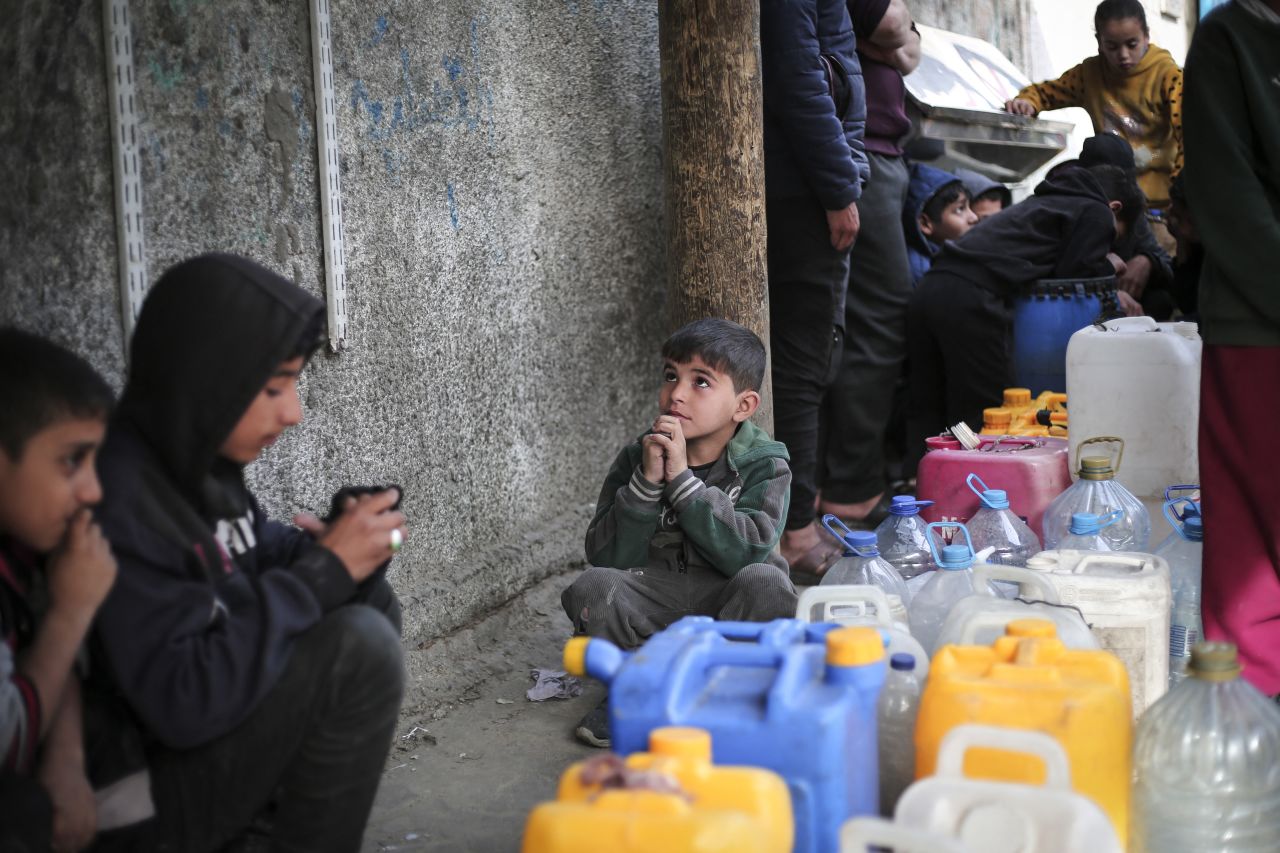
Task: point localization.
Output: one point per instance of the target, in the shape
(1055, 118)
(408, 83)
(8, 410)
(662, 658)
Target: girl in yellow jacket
(1131, 88)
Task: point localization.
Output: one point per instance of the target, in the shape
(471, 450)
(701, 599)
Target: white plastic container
(1139, 379)
(862, 563)
(864, 605)
(866, 834)
(951, 582)
(981, 619)
(1125, 598)
(1002, 816)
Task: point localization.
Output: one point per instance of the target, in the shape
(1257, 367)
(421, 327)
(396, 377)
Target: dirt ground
(472, 755)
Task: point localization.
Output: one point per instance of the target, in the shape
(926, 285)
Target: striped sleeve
(1066, 91)
(20, 716)
(626, 516)
(1171, 92)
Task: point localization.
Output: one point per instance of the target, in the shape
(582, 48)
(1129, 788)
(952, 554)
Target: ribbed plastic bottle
(862, 563)
(896, 712)
(1098, 492)
(903, 538)
(995, 526)
(1086, 532)
(951, 582)
(1206, 763)
(1184, 551)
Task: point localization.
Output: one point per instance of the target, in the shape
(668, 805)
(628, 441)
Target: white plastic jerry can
(864, 834)
(1136, 378)
(863, 604)
(980, 619)
(1125, 598)
(996, 817)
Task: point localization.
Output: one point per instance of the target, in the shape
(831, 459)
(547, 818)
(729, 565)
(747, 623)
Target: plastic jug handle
(983, 572)
(1186, 487)
(1176, 519)
(933, 544)
(829, 521)
(833, 596)
(1131, 324)
(1112, 557)
(977, 490)
(1103, 439)
(957, 743)
(1110, 518)
(860, 834)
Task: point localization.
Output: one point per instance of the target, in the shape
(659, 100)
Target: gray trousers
(627, 607)
(860, 399)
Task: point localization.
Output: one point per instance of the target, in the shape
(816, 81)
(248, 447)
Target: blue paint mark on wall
(453, 206)
(202, 98)
(380, 28)
(453, 95)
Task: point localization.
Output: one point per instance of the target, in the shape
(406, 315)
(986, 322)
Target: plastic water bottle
(899, 701)
(995, 526)
(951, 582)
(1206, 763)
(1184, 549)
(1085, 533)
(903, 538)
(862, 563)
(1098, 492)
(1186, 505)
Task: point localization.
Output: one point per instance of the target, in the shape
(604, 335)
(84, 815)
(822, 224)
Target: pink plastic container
(1033, 471)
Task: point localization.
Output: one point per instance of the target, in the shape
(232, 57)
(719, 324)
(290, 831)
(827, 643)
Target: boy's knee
(589, 596)
(367, 647)
(763, 576)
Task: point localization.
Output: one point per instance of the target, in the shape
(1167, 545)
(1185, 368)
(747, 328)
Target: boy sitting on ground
(55, 413)
(937, 210)
(691, 511)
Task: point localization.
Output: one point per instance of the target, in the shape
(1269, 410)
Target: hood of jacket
(211, 333)
(977, 184)
(750, 443)
(1079, 183)
(924, 184)
(1155, 59)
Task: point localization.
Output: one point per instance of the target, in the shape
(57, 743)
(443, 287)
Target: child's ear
(748, 402)
(1115, 206)
(926, 225)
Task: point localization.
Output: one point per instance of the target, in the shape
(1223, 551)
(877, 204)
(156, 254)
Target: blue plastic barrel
(769, 699)
(1045, 318)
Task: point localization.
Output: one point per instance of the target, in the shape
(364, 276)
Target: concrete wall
(501, 176)
(1001, 22)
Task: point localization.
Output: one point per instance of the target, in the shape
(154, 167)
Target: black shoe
(593, 729)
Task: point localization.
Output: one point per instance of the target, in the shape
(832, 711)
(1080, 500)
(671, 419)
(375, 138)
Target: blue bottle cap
(1193, 528)
(863, 542)
(996, 498)
(902, 661)
(955, 557)
(1084, 522)
(906, 505)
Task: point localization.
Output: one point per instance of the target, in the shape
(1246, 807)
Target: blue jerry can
(798, 699)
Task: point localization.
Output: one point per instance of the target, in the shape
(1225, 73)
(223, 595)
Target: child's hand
(651, 465)
(670, 435)
(82, 570)
(1020, 107)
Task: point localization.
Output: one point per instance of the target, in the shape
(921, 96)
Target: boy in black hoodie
(263, 662)
(960, 320)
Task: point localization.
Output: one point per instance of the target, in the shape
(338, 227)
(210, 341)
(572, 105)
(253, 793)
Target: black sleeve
(866, 16)
(1144, 243)
(1086, 240)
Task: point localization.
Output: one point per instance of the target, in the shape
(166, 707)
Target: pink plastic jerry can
(1032, 471)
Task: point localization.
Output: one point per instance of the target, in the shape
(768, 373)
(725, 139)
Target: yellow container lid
(1015, 397)
(854, 646)
(996, 417)
(681, 742)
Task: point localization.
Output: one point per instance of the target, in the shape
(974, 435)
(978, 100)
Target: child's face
(275, 409)
(956, 220)
(51, 481)
(703, 399)
(984, 207)
(1122, 43)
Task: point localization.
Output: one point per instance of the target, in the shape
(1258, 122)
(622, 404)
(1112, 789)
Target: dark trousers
(314, 747)
(860, 400)
(807, 282)
(959, 339)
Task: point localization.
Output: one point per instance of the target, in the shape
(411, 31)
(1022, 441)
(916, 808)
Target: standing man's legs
(875, 345)
(807, 281)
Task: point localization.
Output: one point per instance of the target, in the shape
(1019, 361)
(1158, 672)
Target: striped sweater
(20, 712)
(730, 519)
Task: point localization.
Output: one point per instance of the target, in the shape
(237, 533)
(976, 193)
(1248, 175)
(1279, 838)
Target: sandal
(809, 569)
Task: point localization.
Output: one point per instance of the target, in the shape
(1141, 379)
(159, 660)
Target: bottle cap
(998, 417)
(1030, 628)
(1084, 522)
(1214, 662)
(996, 498)
(681, 742)
(903, 662)
(1042, 564)
(1193, 528)
(854, 646)
(1016, 397)
(955, 557)
(906, 505)
(1096, 468)
(575, 656)
(863, 542)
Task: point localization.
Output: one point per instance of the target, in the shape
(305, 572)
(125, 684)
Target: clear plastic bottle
(1086, 532)
(903, 538)
(1184, 550)
(951, 582)
(1098, 492)
(995, 526)
(862, 563)
(1206, 763)
(896, 714)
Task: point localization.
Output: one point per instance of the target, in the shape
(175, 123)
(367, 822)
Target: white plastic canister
(980, 619)
(1004, 816)
(863, 604)
(1140, 380)
(1124, 597)
(865, 834)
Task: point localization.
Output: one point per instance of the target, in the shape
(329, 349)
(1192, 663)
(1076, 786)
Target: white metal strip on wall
(131, 245)
(335, 271)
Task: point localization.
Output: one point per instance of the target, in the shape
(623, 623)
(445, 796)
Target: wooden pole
(712, 129)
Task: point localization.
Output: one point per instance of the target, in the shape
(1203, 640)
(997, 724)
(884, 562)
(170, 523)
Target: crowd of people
(179, 671)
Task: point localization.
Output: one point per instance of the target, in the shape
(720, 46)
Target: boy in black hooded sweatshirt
(262, 661)
(960, 319)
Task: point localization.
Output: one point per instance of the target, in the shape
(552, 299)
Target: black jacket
(210, 593)
(1064, 230)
